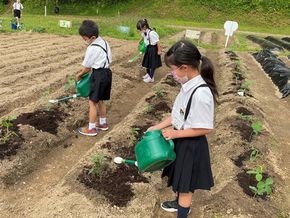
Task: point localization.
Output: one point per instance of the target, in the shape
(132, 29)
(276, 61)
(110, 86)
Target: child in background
(97, 58)
(192, 118)
(16, 10)
(151, 58)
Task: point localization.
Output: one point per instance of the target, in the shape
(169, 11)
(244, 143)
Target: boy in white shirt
(97, 59)
(16, 10)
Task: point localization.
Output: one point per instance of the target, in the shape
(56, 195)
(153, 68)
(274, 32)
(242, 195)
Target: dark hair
(184, 52)
(89, 28)
(142, 23)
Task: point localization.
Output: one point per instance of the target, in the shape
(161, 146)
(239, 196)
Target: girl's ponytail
(207, 73)
(184, 52)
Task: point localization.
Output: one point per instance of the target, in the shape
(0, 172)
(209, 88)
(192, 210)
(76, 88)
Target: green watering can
(153, 152)
(82, 87)
(142, 50)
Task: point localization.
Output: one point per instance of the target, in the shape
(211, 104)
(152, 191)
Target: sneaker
(170, 206)
(103, 127)
(86, 131)
(144, 77)
(148, 80)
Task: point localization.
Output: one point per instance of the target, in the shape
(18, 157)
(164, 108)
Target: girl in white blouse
(152, 54)
(192, 118)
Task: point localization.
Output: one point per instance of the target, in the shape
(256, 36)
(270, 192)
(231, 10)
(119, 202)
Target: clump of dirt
(241, 158)
(229, 92)
(244, 128)
(113, 184)
(245, 180)
(44, 120)
(244, 111)
(149, 99)
(10, 140)
(169, 80)
(232, 55)
(158, 109)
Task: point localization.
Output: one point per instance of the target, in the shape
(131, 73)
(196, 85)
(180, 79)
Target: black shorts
(17, 13)
(100, 84)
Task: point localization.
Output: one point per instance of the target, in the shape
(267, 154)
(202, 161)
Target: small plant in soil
(5, 132)
(247, 118)
(46, 96)
(159, 92)
(245, 87)
(263, 187)
(255, 154)
(70, 82)
(135, 132)
(257, 127)
(148, 108)
(98, 164)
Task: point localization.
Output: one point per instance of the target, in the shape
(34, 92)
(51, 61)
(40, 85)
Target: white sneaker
(144, 77)
(148, 80)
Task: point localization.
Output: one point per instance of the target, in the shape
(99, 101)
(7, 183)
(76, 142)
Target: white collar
(193, 83)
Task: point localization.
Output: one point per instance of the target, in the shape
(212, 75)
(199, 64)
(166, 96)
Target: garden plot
(251, 131)
(31, 82)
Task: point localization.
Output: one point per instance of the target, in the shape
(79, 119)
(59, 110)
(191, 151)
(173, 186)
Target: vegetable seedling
(247, 118)
(255, 154)
(7, 133)
(98, 161)
(159, 92)
(257, 127)
(262, 187)
(148, 108)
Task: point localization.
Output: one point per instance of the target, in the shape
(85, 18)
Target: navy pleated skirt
(151, 58)
(191, 170)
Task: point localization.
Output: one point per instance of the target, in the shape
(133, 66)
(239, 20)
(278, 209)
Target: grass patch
(108, 25)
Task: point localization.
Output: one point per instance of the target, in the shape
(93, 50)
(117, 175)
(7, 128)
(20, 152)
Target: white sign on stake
(65, 23)
(230, 27)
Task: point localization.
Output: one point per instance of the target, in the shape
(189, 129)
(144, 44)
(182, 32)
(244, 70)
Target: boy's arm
(158, 48)
(82, 72)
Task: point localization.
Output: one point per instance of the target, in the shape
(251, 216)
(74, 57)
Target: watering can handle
(171, 143)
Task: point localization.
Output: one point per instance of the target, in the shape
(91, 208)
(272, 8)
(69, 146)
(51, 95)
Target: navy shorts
(17, 13)
(100, 84)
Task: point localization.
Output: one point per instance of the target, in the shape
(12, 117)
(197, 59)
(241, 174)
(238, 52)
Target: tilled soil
(52, 188)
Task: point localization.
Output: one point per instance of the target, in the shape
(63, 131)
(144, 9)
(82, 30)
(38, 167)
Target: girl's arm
(193, 132)
(165, 123)
(158, 48)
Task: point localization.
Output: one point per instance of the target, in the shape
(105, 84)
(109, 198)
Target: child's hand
(78, 76)
(159, 52)
(169, 134)
(151, 128)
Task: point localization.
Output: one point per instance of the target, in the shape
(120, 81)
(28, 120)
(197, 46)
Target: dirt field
(42, 177)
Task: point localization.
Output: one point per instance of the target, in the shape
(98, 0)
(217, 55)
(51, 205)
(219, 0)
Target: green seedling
(135, 131)
(4, 129)
(247, 118)
(263, 186)
(98, 164)
(70, 82)
(255, 154)
(148, 108)
(46, 97)
(257, 127)
(159, 92)
(246, 85)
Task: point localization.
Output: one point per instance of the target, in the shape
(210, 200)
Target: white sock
(103, 121)
(92, 126)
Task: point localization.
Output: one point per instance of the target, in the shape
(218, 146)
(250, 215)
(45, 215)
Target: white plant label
(230, 27)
